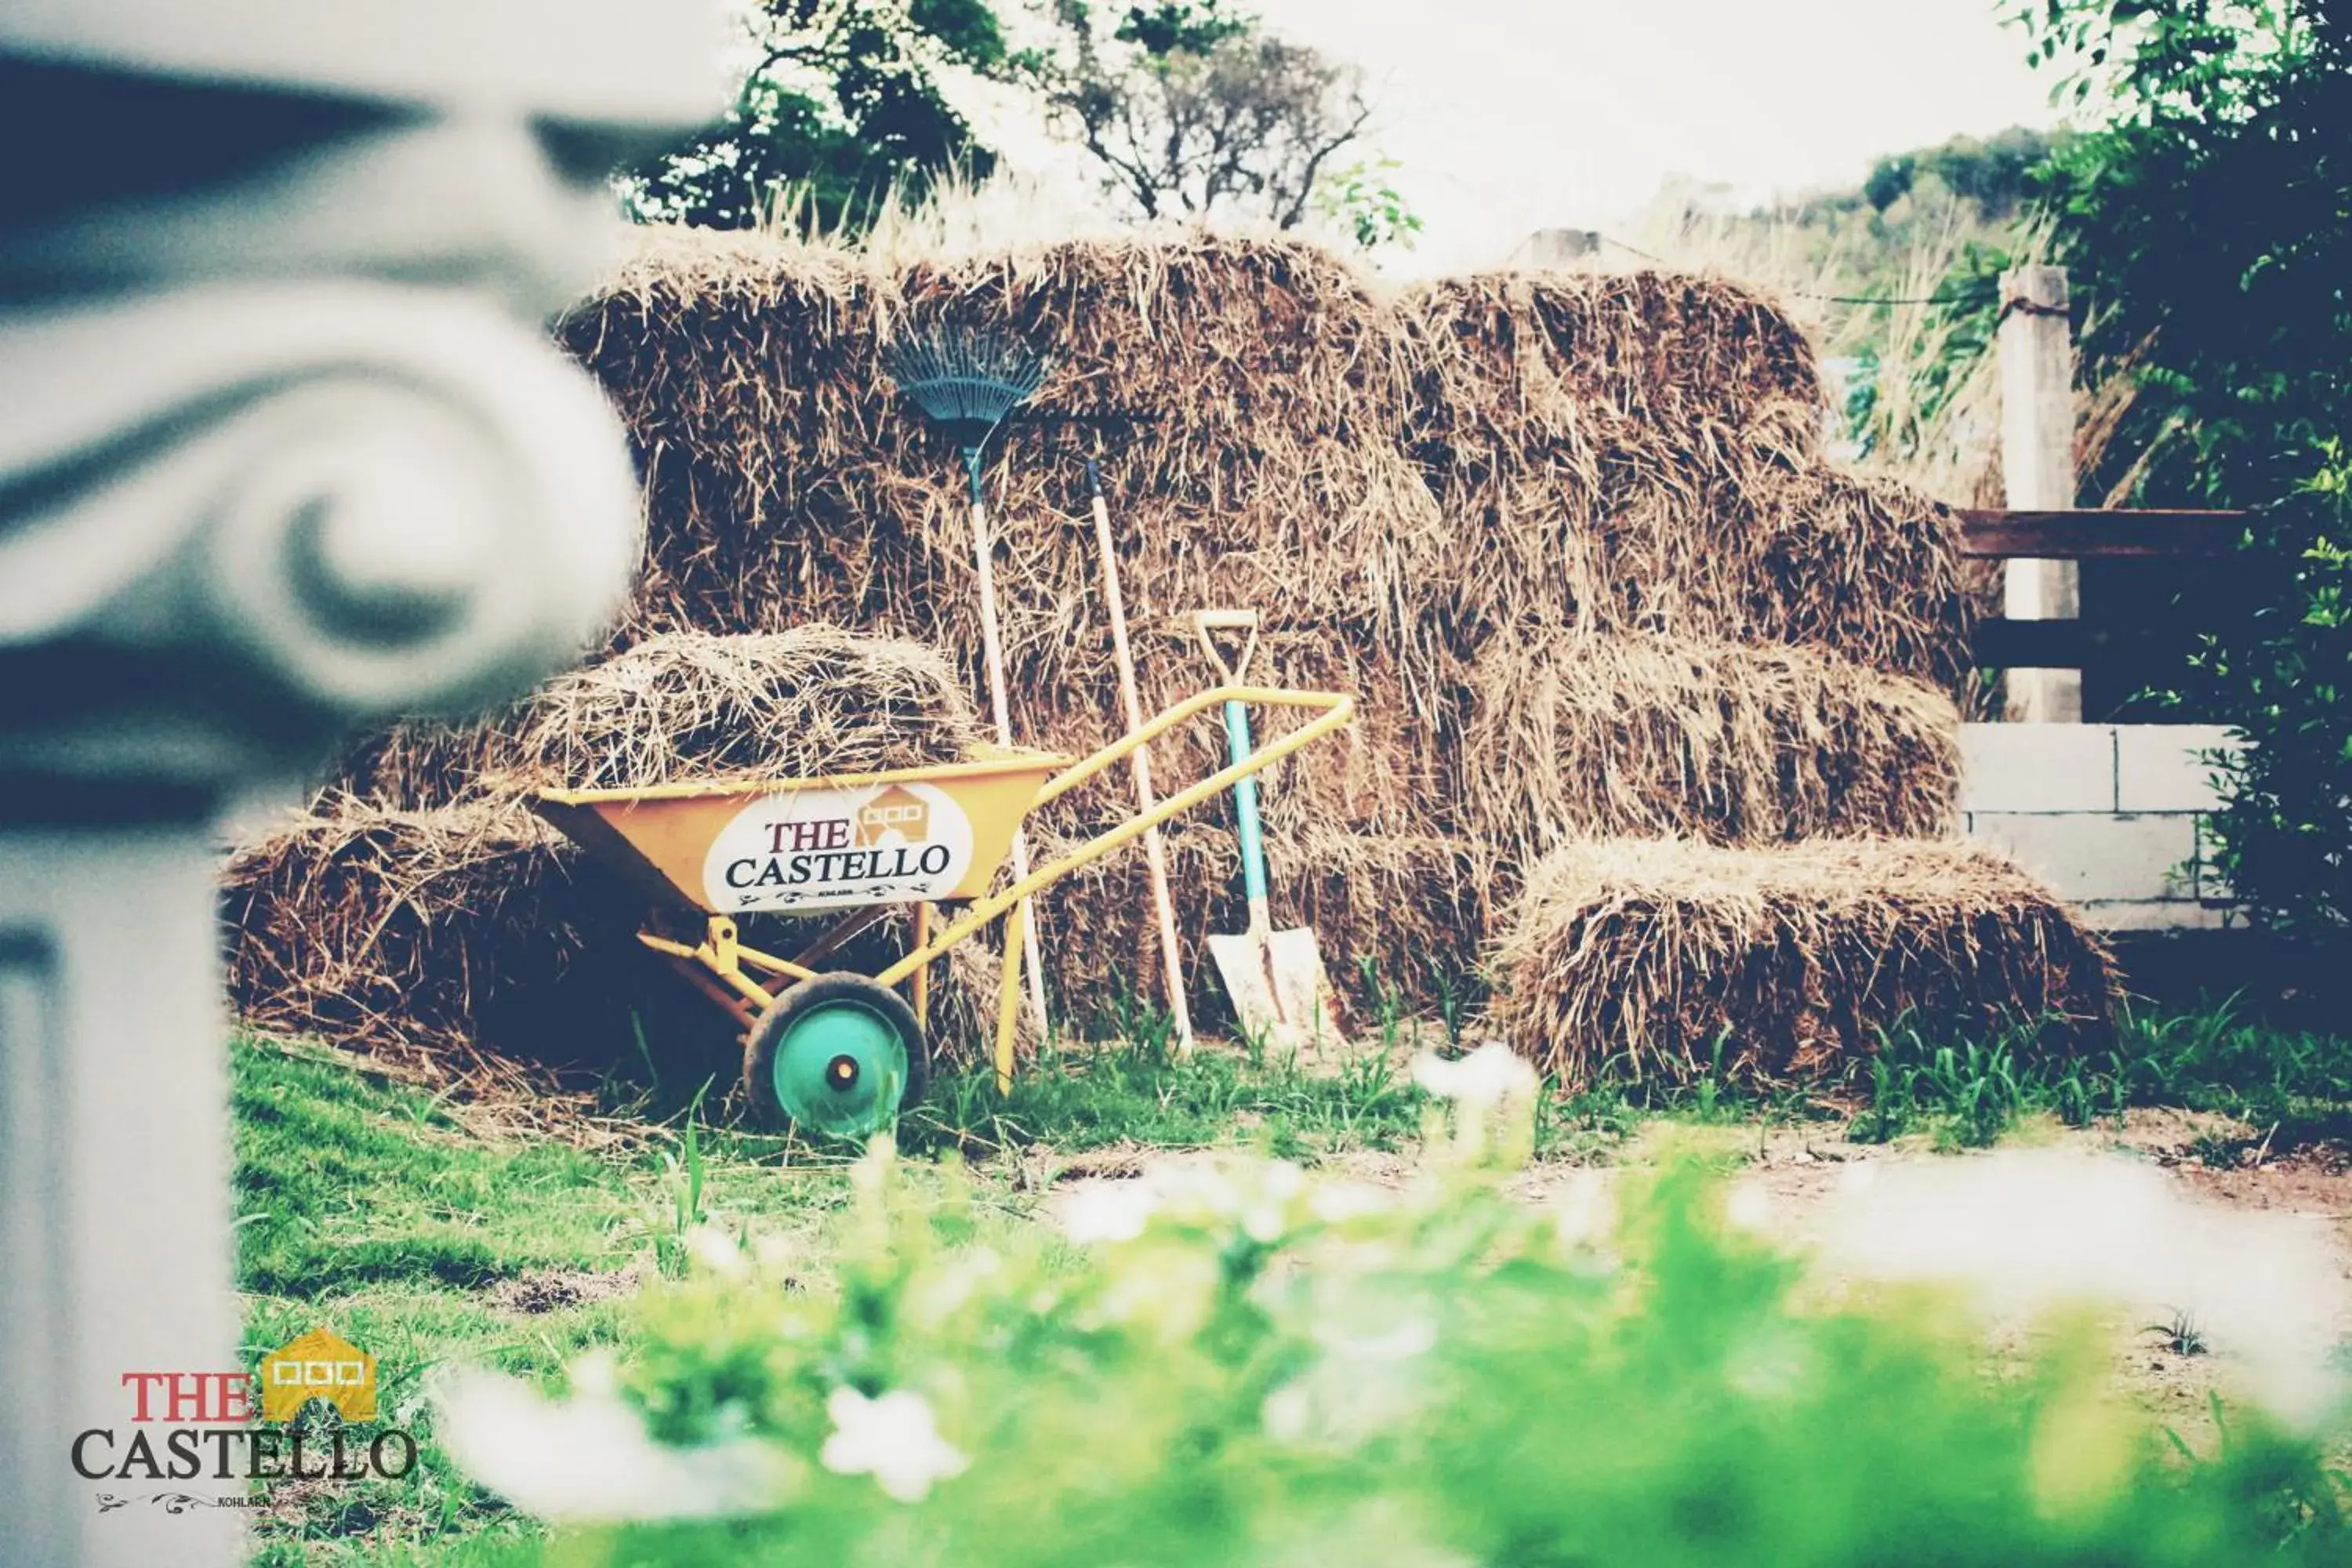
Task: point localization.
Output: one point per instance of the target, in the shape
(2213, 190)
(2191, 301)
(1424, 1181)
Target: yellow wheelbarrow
(836, 1050)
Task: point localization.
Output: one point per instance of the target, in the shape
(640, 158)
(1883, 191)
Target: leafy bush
(1269, 1368)
(2285, 842)
(2204, 227)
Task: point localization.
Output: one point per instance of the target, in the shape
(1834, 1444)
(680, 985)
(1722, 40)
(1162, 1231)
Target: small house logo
(318, 1366)
(895, 810)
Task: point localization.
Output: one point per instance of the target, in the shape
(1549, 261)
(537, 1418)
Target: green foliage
(2204, 227)
(2285, 844)
(1965, 1094)
(844, 106)
(1995, 175)
(2294, 1087)
(1174, 27)
(1263, 1369)
(1362, 199)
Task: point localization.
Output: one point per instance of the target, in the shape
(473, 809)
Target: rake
(966, 381)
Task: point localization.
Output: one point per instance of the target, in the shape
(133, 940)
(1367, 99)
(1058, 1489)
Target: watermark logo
(324, 1366)
(308, 1413)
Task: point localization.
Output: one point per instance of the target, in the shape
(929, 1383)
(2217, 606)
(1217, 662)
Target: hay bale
(688, 705)
(465, 941)
(788, 479)
(429, 936)
(1380, 774)
(1634, 957)
(1643, 452)
(1597, 736)
(1414, 908)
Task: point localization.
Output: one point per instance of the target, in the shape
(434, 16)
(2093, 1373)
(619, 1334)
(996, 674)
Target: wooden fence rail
(2074, 643)
(2090, 535)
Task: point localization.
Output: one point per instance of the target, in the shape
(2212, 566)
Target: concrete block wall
(2113, 816)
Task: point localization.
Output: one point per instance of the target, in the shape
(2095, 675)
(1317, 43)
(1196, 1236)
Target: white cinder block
(2156, 914)
(2161, 767)
(2085, 858)
(2037, 767)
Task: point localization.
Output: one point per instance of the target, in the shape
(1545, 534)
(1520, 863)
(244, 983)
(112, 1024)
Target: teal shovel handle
(1237, 739)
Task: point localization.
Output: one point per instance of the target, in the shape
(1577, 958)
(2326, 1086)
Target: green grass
(1091, 1096)
(364, 1207)
(2294, 1088)
(344, 1182)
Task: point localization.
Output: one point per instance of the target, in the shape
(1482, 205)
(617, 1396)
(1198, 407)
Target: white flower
(1750, 1206)
(1489, 1076)
(1406, 1339)
(1108, 1211)
(1584, 1212)
(717, 1251)
(892, 1439)
(589, 1459)
(1336, 1202)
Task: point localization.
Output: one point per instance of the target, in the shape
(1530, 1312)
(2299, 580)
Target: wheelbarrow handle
(1332, 712)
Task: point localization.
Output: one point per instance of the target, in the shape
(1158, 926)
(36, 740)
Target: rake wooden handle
(992, 649)
(1171, 961)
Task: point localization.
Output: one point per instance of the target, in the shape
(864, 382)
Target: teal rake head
(965, 381)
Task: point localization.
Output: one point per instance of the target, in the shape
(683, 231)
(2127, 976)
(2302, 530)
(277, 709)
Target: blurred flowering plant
(1246, 1363)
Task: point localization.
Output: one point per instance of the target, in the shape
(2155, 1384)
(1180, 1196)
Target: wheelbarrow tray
(814, 845)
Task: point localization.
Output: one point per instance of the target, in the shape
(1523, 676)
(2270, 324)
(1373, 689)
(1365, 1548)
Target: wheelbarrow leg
(922, 976)
(1008, 997)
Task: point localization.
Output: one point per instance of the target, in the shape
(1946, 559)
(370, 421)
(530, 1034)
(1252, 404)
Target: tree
(1192, 109)
(843, 103)
(1890, 181)
(2204, 224)
(1995, 174)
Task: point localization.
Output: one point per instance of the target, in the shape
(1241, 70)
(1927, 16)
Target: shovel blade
(1241, 965)
(1302, 987)
(1280, 991)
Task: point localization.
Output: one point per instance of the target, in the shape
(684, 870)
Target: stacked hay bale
(1662, 960)
(1643, 452)
(1710, 708)
(423, 910)
(1570, 539)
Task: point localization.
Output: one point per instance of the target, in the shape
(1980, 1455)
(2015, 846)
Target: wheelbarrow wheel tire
(824, 1056)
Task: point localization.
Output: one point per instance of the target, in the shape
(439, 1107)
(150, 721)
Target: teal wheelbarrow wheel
(840, 1055)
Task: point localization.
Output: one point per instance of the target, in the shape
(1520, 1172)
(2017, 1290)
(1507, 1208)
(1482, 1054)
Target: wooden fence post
(2037, 463)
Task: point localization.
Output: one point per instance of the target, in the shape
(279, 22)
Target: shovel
(1274, 979)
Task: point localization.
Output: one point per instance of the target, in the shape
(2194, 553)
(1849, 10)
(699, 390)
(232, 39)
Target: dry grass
(789, 481)
(792, 704)
(1636, 957)
(408, 932)
(1649, 737)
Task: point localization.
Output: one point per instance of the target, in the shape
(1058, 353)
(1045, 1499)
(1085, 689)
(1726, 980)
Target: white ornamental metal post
(2037, 463)
(282, 450)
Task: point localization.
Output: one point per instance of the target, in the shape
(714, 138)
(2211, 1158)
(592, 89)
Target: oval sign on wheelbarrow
(807, 851)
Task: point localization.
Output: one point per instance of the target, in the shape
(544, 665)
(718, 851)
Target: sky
(1508, 116)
